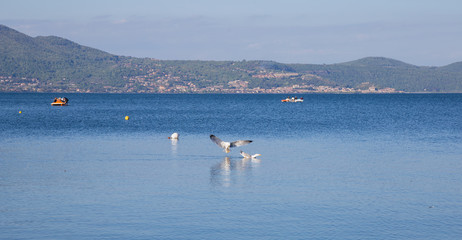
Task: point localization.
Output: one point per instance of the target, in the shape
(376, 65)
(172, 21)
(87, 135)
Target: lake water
(332, 167)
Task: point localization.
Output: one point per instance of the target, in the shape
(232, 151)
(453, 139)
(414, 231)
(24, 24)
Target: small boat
(62, 101)
(292, 99)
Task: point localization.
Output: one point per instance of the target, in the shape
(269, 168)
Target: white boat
(292, 99)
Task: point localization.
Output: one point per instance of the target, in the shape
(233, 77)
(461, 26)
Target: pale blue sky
(420, 32)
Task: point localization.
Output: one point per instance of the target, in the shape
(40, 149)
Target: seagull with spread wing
(227, 145)
(246, 155)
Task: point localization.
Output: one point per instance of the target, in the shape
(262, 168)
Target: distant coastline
(9, 84)
(54, 64)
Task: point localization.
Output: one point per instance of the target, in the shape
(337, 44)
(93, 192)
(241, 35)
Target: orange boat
(62, 101)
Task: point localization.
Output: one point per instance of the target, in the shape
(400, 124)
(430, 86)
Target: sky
(419, 32)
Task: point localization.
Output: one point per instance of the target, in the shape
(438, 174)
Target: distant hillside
(54, 61)
(385, 72)
(455, 67)
(54, 64)
(377, 62)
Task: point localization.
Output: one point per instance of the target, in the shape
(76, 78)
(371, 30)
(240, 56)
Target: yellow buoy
(127, 117)
(20, 111)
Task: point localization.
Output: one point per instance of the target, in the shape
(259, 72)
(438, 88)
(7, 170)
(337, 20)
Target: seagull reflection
(255, 161)
(230, 171)
(174, 145)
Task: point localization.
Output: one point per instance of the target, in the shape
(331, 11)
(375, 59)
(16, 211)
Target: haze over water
(332, 167)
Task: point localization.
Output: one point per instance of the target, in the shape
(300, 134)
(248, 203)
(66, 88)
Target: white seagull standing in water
(246, 155)
(174, 136)
(227, 145)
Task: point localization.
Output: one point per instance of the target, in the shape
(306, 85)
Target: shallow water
(333, 167)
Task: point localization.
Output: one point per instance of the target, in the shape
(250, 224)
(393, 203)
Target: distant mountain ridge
(454, 67)
(376, 62)
(54, 64)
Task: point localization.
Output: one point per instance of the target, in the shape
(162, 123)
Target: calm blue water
(333, 167)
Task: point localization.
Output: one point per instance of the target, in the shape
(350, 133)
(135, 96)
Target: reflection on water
(229, 171)
(174, 146)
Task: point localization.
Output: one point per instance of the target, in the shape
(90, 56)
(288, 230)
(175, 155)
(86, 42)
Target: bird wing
(240, 143)
(216, 140)
(245, 155)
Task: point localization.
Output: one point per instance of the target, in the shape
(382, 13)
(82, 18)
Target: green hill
(54, 64)
(54, 61)
(384, 72)
(379, 62)
(455, 67)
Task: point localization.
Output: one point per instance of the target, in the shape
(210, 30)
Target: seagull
(174, 136)
(246, 155)
(227, 145)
